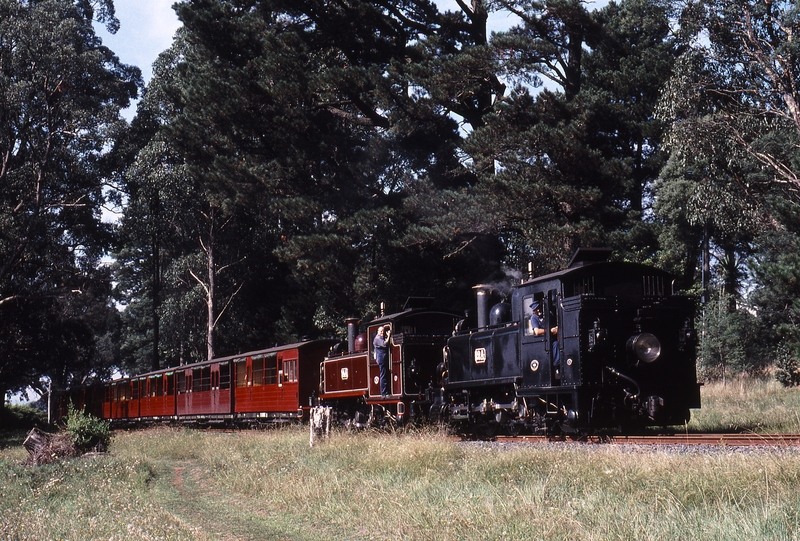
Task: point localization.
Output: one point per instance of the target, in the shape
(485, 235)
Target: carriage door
(215, 388)
(180, 382)
(279, 372)
(189, 390)
(289, 381)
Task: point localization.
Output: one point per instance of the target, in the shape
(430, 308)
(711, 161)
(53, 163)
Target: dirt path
(189, 494)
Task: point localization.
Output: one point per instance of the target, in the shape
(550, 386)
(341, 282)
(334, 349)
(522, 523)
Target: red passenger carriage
(88, 398)
(268, 385)
(277, 383)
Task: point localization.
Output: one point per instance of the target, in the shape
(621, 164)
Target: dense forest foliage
(293, 163)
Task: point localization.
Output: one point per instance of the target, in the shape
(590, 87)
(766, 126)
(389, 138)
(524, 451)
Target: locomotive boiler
(622, 356)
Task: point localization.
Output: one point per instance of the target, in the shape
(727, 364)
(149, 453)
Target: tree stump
(44, 448)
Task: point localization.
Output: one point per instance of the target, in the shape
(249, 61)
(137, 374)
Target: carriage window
(201, 379)
(119, 392)
(181, 382)
(271, 370)
(290, 370)
(197, 380)
(240, 368)
(156, 386)
(224, 376)
(205, 378)
(135, 389)
(258, 371)
(170, 390)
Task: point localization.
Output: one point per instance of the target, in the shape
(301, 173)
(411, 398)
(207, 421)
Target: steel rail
(733, 440)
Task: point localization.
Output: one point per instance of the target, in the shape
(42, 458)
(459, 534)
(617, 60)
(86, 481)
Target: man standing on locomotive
(538, 330)
(381, 345)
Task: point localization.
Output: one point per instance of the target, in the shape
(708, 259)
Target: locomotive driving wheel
(486, 430)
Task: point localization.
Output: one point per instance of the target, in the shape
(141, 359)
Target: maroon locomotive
(350, 380)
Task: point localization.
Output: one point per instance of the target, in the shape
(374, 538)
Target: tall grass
(250, 485)
(748, 405)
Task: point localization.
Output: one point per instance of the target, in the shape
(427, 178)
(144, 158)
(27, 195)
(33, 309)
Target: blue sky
(146, 29)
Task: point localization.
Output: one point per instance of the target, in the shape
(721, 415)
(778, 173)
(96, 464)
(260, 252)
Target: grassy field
(163, 484)
(748, 405)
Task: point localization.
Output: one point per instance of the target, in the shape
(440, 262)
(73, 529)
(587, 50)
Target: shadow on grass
(12, 437)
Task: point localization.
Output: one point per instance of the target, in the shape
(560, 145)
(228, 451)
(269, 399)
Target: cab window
(527, 311)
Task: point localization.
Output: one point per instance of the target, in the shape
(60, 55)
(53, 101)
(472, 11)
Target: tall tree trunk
(211, 289)
(155, 293)
(573, 69)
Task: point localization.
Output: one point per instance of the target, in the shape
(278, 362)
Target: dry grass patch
(420, 487)
(748, 405)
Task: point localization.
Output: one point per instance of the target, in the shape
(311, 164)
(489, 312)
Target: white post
(49, 404)
(319, 423)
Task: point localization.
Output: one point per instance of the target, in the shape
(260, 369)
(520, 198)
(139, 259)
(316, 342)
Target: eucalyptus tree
(183, 230)
(753, 50)
(61, 92)
(732, 107)
(753, 56)
(775, 267)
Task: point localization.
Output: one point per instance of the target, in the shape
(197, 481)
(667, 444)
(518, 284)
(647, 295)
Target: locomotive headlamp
(645, 346)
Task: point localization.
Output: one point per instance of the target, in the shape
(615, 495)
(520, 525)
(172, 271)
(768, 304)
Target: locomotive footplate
(529, 392)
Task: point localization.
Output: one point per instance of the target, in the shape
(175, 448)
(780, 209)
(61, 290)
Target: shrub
(787, 368)
(728, 343)
(23, 416)
(89, 433)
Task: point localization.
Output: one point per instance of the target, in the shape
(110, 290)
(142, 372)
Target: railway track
(731, 440)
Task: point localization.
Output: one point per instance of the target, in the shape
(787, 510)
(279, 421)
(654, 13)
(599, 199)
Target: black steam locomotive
(621, 354)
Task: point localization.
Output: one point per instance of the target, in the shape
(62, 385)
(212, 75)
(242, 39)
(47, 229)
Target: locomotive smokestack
(483, 294)
(352, 331)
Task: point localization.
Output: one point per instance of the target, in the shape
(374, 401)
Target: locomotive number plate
(480, 355)
(344, 373)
